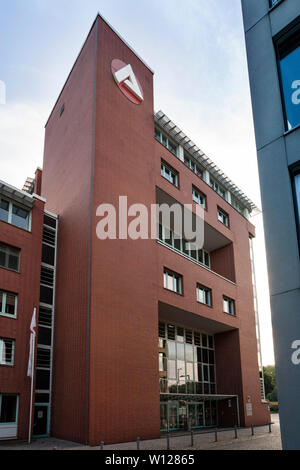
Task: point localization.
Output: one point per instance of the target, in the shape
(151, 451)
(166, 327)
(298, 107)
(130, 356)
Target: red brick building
(150, 335)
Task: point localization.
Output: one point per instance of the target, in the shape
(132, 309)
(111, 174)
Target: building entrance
(180, 414)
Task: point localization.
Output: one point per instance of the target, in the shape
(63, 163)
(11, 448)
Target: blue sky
(196, 49)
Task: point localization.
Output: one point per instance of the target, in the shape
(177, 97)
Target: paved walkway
(262, 440)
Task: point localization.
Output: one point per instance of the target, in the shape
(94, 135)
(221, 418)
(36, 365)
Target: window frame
(207, 290)
(9, 247)
(4, 296)
(231, 302)
(176, 277)
(187, 253)
(17, 408)
(11, 205)
(12, 363)
(224, 215)
(165, 166)
(201, 194)
(217, 187)
(167, 139)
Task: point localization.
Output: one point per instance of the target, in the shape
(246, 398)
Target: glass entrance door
(200, 415)
(173, 416)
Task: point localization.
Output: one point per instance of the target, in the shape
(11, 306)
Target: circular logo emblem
(127, 81)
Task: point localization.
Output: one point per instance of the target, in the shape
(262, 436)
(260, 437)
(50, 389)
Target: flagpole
(32, 380)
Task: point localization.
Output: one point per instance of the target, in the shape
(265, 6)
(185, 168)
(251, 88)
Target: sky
(197, 51)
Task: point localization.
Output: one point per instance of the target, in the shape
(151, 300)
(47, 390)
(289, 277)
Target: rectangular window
(237, 205)
(7, 350)
(288, 51)
(165, 141)
(169, 173)
(204, 295)
(172, 281)
(193, 166)
(228, 305)
(223, 217)
(8, 304)
(8, 409)
(217, 187)
(14, 214)
(199, 198)
(168, 237)
(9, 257)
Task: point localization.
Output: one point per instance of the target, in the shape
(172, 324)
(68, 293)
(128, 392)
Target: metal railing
(215, 432)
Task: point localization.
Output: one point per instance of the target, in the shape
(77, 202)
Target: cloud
(21, 140)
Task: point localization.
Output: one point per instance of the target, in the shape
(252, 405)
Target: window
(223, 217)
(228, 306)
(199, 198)
(168, 237)
(217, 187)
(163, 139)
(172, 281)
(204, 295)
(8, 304)
(9, 257)
(288, 51)
(8, 409)
(169, 173)
(237, 205)
(187, 364)
(7, 350)
(14, 214)
(193, 166)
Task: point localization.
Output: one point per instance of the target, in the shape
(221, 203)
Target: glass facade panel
(289, 67)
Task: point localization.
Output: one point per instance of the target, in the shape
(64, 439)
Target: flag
(32, 344)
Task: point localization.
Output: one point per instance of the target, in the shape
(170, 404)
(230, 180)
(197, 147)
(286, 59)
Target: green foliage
(274, 407)
(272, 397)
(269, 380)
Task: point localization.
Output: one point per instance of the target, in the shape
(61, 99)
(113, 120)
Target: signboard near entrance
(249, 410)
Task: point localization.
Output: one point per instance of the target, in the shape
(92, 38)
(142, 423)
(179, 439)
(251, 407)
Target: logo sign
(127, 81)
(291, 87)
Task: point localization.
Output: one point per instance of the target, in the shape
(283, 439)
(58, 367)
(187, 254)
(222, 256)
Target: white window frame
(167, 170)
(8, 250)
(198, 196)
(223, 217)
(10, 214)
(228, 305)
(10, 364)
(162, 136)
(17, 409)
(4, 296)
(177, 281)
(217, 187)
(207, 295)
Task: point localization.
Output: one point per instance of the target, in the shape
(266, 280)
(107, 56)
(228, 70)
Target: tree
(269, 380)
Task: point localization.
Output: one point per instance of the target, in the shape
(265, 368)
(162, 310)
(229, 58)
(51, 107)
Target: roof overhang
(179, 136)
(16, 195)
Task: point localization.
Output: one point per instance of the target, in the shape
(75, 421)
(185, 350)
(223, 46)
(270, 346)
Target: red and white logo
(127, 81)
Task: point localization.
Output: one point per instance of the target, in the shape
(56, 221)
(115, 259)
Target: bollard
(270, 427)
(252, 430)
(192, 438)
(216, 435)
(101, 445)
(168, 441)
(138, 443)
(235, 432)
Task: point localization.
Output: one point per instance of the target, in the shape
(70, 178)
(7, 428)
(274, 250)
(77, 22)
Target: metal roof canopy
(180, 396)
(16, 195)
(178, 135)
